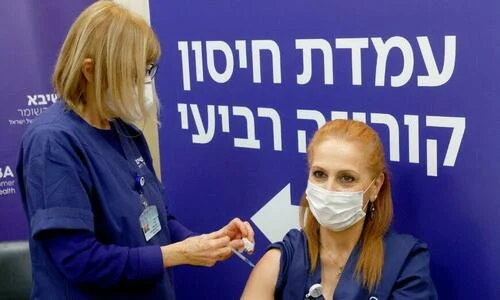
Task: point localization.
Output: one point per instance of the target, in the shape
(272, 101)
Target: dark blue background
(31, 33)
(456, 213)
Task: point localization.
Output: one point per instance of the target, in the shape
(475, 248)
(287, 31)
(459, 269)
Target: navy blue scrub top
(405, 274)
(78, 181)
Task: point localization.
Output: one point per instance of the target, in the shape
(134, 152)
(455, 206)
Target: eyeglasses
(151, 71)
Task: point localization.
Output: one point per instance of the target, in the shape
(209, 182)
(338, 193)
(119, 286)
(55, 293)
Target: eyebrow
(338, 172)
(350, 172)
(317, 167)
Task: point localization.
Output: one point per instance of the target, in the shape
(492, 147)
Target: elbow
(78, 274)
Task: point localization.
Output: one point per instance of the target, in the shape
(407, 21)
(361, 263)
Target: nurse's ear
(377, 185)
(88, 69)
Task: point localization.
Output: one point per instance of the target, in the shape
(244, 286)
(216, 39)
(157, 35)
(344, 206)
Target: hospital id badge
(150, 223)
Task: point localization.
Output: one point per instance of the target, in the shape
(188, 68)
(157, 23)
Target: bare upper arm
(262, 281)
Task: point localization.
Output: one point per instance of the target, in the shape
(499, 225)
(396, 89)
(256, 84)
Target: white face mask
(148, 101)
(336, 211)
(148, 96)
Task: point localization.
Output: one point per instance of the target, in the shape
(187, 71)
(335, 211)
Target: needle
(246, 260)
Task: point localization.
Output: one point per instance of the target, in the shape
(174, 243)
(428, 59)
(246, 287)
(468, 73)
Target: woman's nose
(329, 185)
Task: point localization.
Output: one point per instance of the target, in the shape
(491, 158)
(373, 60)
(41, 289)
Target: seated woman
(345, 244)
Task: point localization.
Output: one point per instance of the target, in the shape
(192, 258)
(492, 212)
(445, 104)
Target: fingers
(250, 233)
(237, 244)
(223, 253)
(207, 249)
(241, 226)
(219, 242)
(237, 230)
(240, 229)
(216, 234)
(218, 249)
(218, 245)
(250, 237)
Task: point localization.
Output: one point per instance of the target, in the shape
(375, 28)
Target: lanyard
(140, 182)
(131, 154)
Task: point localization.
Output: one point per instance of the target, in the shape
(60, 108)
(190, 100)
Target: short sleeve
(287, 247)
(414, 280)
(57, 185)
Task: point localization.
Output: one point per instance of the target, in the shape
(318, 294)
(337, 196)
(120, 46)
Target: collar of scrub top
(131, 153)
(128, 146)
(344, 280)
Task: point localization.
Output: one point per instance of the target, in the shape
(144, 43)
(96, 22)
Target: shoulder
(293, 257)
(56, 123)
(293, 245)
(56, 114)
(294, 239)
(262, 281)
(293, 242)
(408, 259)
(401, 248)
(46, 139)
(397, 242)
(408, 247)
(54, 131)
(269, 265)
(269, 275)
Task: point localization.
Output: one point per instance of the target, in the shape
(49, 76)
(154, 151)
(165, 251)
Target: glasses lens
(151, 70)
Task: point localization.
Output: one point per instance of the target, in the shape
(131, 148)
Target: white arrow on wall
(277, 216)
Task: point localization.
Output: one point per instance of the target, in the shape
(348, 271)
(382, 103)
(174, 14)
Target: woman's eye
(319, 174)
(346, 179)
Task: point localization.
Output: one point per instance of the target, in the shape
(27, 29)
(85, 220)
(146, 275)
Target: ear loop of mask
(367, 188)
(363, 194)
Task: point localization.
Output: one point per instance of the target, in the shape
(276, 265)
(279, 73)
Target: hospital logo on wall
(7, 181)
(35, 105)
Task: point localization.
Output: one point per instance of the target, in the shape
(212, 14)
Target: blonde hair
(121, 45)
(371, 258)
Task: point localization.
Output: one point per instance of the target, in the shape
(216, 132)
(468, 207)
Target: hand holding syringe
(248, 247)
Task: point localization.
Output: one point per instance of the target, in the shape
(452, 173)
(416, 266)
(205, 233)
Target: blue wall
(31, 33)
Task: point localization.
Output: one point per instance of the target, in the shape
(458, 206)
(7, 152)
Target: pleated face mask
(336, 211)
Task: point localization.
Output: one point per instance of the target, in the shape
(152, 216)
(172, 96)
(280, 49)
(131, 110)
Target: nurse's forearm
(201, 250)
(173, 255)
(82, 259)
(178, 231)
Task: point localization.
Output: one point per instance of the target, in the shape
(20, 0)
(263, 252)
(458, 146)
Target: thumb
(237, 244)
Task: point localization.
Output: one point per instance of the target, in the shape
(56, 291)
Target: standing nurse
(99, 227)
